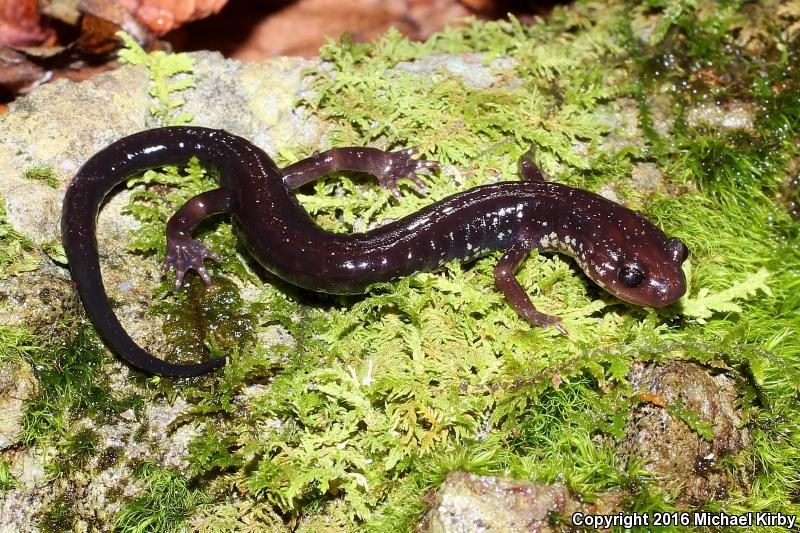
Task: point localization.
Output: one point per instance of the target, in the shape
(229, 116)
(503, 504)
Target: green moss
(169, 75)
(110, 456)
(73, 453)
(552, 111)
(68, 369)
(58, 517)
(17, 344)
(55, 251)
(385, 377)
(201, 321)
(678, 410)
(43, 174)
(17, 253)
(8, 480)
(702, 306)
(168, 501)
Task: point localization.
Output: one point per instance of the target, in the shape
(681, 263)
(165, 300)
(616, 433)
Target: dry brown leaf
(98, 35)
(20, 24)
(301, 27)
(162, 16)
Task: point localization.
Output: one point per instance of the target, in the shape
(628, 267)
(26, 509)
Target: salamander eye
(631, 275)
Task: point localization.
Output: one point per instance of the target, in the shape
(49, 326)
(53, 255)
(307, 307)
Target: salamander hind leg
(388, 167)
(515, 295)
(185, 253)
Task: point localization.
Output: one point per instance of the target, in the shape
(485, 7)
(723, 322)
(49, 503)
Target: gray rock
(37, 300)
(472, 68)
(59, 126)
(21, 507)
(686, 462)
(647, 177)
(255, 100)
(62, 124)
(466, 503)
(727, 116)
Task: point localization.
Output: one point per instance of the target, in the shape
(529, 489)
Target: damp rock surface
(686, 461)
(469, 503)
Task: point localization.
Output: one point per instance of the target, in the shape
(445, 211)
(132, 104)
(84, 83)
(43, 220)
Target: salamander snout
(665, 291)
(653, 279)
(678, 249)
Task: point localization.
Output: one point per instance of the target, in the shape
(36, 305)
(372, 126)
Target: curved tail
(105, 170)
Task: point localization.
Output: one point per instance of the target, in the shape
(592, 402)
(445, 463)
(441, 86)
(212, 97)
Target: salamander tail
(97, 177)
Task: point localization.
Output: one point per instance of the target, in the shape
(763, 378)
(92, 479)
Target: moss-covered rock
(687, 424)
(343, 413)
(17, 385)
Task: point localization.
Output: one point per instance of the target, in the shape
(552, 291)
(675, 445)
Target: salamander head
(631, 258)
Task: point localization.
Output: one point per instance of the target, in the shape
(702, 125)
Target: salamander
(617, 248)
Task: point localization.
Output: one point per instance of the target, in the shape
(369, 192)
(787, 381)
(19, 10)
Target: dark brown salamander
(616, 247)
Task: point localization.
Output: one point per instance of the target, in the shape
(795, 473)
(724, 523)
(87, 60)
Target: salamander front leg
(388, 167)
(513, 291)
(184, 252)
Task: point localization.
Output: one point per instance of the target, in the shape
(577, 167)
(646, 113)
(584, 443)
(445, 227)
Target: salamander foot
(186, 254)
(400, 165)
(544, 320)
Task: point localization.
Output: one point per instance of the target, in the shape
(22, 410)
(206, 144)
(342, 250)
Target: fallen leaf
(20, 24)
(98, 35)
(162, 16)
